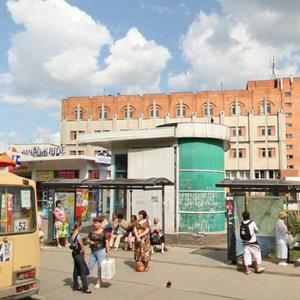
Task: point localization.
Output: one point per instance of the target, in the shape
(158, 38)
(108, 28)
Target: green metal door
(201, 203)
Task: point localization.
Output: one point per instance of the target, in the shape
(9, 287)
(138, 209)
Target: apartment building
(262, 121)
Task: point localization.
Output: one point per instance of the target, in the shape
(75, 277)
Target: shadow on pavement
(68, 282)
(216, 254)
(130, 263)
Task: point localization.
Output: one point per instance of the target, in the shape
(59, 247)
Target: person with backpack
(248, 231)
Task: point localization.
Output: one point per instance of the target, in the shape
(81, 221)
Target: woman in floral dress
(142, 241)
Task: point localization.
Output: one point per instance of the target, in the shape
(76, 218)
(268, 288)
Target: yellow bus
(19, 237)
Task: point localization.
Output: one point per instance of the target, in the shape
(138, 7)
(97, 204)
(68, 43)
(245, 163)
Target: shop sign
(67, 174)
(44, 175)
(36, 151)
(103, 158)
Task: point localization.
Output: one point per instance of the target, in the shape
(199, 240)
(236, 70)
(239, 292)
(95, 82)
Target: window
(266, 152)
(208, 110)
(231, 174)
(80, 152)
(273, 174)
(241, 153)
(265, 108)
(288, 115)
(289, 147)
(289, 125)
(290, 167)
(73, 134)
(289, 157)
(288, 104)
(263, 130)
(154, 113)
(80, 114)
(18, 213)
(244, 174)
(260, 174)
(237, 131)
(289, 136)
(128, 113)
(288, 94)
(236, 110)
(103, 113)
(72, 152)
(180, 111)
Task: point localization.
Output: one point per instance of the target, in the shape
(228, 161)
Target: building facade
(190, 155)
(262, 120)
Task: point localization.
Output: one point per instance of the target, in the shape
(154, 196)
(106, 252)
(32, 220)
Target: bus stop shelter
(126, 184)
(264, 199)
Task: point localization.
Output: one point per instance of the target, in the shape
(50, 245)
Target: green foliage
(294, 224)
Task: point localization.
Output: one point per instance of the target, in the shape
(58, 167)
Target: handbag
(154, 238)
(108, 268)
(63, 230)
(74, 245)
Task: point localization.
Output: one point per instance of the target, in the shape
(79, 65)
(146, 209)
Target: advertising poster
(82, 201)
(68, 203)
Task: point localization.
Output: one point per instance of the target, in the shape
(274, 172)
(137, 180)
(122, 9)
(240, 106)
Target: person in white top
(282, 235)
(251, 247)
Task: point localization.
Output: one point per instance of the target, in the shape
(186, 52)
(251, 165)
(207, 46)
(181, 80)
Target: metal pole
(163, 208)
(130, 208)
(102, 202)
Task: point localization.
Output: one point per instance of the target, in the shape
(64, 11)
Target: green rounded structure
(201, 203)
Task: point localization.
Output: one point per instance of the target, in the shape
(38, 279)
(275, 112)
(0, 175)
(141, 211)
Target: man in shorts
(252, 251)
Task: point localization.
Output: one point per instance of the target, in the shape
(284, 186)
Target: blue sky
(52, 49)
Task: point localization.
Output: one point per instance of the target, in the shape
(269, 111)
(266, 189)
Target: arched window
(265, 108)
(180, 111)
(102, 113)
(236, 109)
(208, 110)
(154, 112)
(78, 115)
(128, 112)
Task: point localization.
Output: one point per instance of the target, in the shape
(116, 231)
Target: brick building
(262, 120)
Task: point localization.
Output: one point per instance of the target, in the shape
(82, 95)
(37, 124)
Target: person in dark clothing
(80, 266)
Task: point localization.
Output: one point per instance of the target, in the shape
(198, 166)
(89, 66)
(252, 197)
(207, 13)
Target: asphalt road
(206, 278)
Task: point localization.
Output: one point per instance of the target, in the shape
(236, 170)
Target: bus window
(17, 210)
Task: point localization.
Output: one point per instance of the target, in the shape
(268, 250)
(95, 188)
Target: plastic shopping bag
(108, 268)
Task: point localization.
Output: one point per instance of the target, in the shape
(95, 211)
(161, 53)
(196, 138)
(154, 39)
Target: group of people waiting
(119, 229)
(138, 236)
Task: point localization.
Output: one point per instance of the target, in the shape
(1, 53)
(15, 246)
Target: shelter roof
(279, 185)
(120, 183)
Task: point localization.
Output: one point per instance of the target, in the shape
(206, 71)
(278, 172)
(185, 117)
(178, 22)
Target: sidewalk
(214, 258)
(208, 257)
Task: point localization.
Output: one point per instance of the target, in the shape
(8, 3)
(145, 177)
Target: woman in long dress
(60, 224)
(282, 235)
(142, 241)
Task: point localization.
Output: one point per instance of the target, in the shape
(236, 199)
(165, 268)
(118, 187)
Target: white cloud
(44, 135)
(58, 49)
(39, 103)
(237, 46)
(134, 65)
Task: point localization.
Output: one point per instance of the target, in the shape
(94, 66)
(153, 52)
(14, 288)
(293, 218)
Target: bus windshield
(17, 210)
